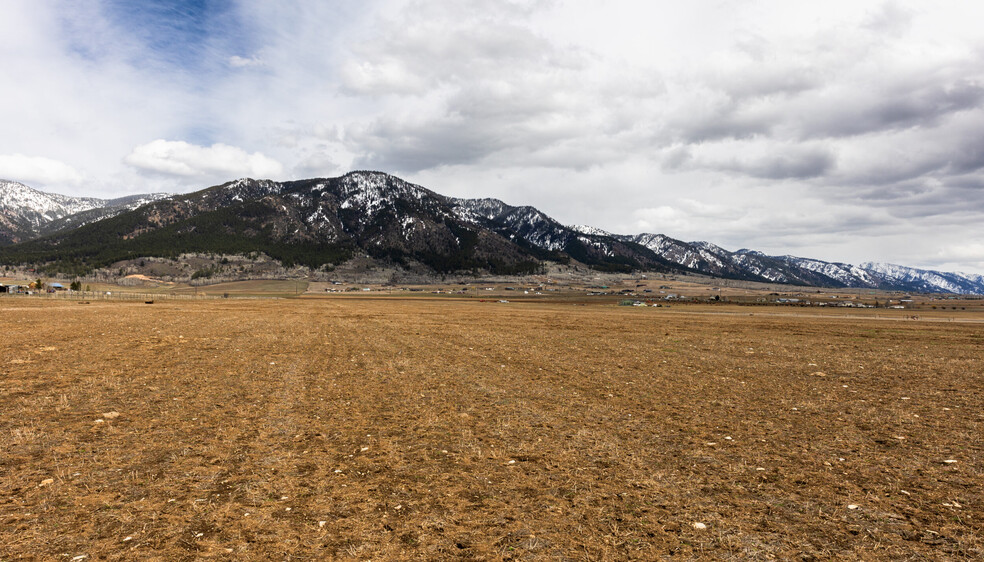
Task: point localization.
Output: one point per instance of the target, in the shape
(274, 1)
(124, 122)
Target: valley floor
(443, 429)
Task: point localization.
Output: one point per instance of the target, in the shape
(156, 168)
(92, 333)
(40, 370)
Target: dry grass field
(312, 429)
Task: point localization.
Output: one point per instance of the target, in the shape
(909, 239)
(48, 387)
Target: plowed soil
(423, 429)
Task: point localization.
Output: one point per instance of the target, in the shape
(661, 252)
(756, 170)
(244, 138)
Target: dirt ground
(312, 429)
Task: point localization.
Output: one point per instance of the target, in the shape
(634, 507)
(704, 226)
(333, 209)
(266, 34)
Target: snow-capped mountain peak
(38, 207)
(585, 229)
(26, 212)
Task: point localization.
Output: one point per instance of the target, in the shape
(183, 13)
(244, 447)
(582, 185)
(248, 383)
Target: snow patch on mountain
(525, 222)
(849, 275)
(925, 280)
(477, 210)
(38, 207)
(370, 192)
(26, 212)
(585, 229)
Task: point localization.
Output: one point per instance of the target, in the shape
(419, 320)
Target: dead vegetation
(439, 430)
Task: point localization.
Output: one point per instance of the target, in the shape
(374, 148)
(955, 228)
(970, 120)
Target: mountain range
(320, 223)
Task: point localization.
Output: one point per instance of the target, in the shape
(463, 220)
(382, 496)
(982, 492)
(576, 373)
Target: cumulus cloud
(429, 44)
(661, 219)
(904, 104)
(38, 170)
(685, 216)
(390, 144)
(890, 17)
(477, 85)
(767, 160)
(870, 94)
(316, 164)
(973, 251)
(179, 158)
(947, 156)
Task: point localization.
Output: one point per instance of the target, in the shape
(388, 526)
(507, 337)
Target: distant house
(56, 286)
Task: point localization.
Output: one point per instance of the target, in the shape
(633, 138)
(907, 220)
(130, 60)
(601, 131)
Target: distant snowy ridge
(38, 207)
(926, 280)
(26, 212)
(709, 259)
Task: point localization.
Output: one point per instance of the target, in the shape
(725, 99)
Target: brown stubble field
(312, 429)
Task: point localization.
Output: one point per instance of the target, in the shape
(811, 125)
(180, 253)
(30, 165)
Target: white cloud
(237, 61)
(317, 164)
(179, 158)
(37, 170)
(661, 219)
(969, 252)
(760, 158)
(890, 17)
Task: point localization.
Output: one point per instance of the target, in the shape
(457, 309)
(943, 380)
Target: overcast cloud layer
(845, 131)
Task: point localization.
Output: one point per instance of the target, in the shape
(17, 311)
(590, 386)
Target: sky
(847, 131)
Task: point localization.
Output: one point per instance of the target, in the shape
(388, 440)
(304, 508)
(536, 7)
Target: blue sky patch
(191, 34)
